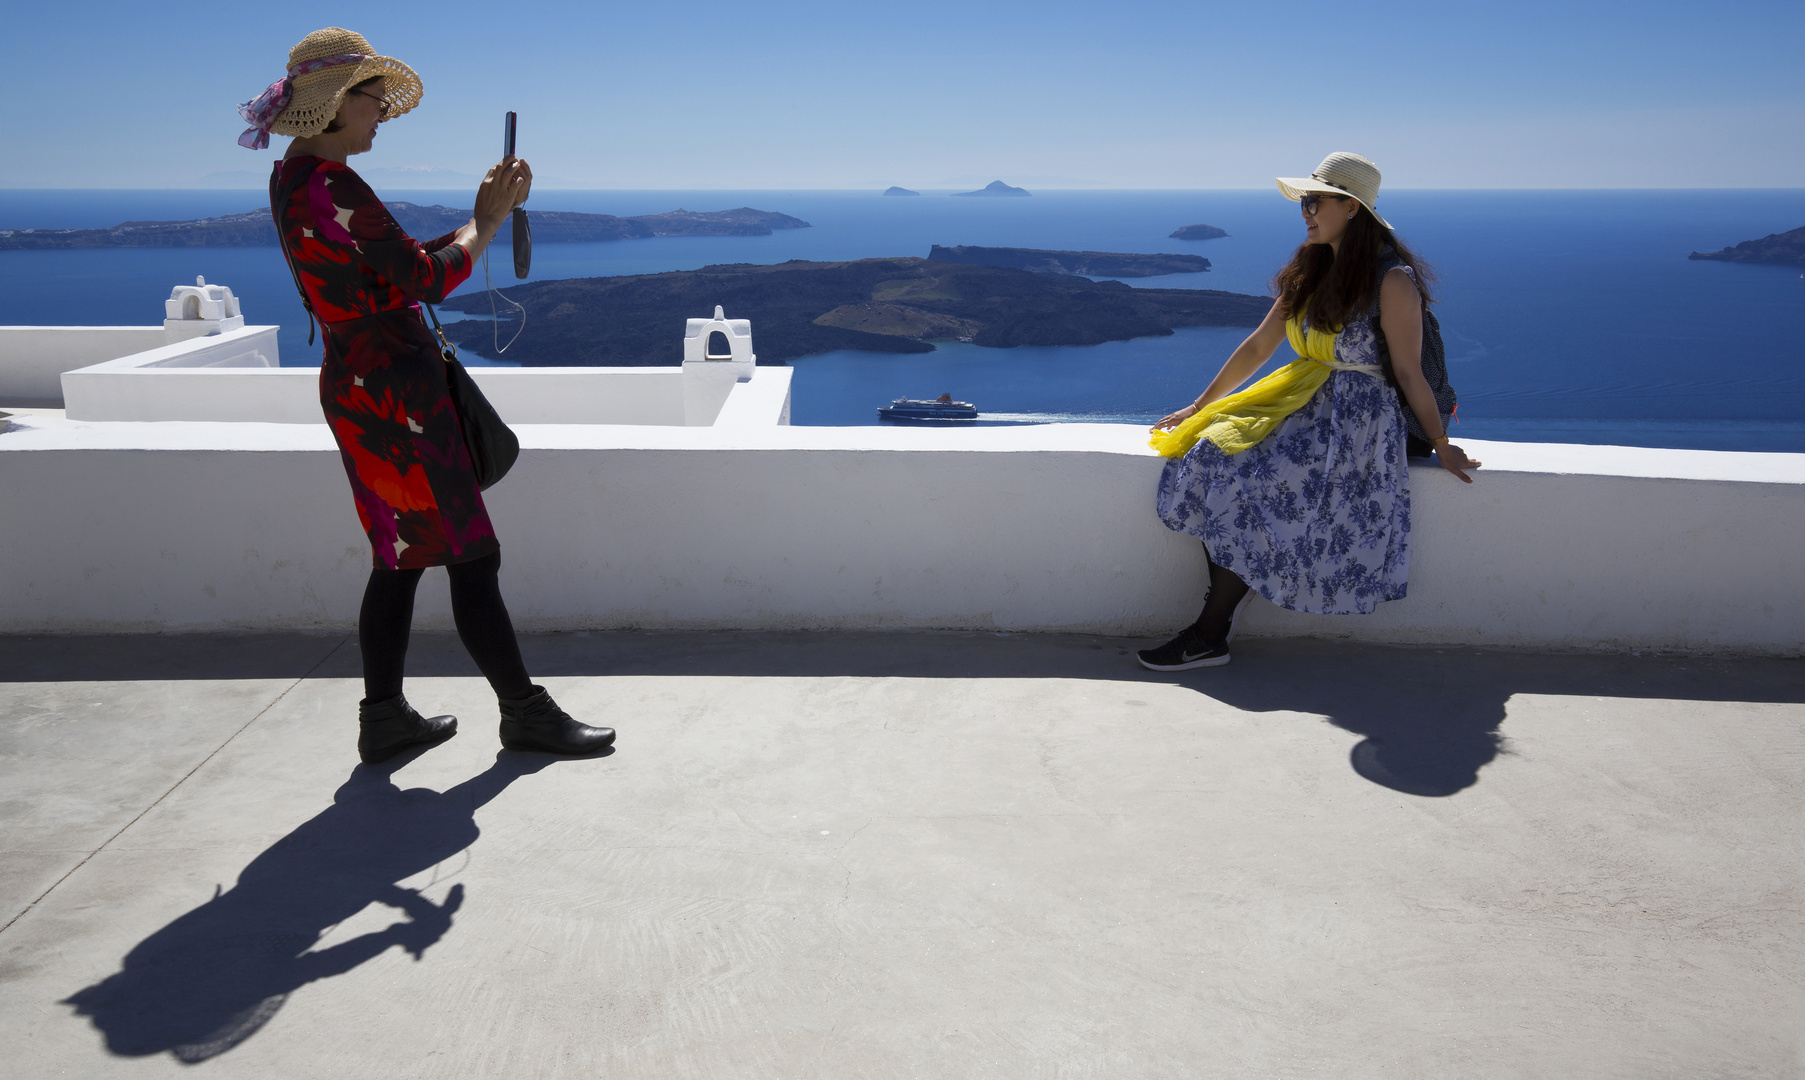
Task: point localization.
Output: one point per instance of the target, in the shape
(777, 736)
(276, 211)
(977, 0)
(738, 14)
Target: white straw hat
(1339, 174)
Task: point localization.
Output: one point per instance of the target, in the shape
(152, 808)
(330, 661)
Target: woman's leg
(530, 719)
(1204, 643)
(484, 627)
(386, 723)
(382, 630)
(1227, 591)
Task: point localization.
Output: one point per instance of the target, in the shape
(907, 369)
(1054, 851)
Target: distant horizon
(1100, 189)
(808, 95)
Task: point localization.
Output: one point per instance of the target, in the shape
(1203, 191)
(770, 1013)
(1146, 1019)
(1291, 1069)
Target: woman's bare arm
(1401, 317)
(1242, 363)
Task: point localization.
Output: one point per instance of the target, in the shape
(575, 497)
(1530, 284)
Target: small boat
(941, 408)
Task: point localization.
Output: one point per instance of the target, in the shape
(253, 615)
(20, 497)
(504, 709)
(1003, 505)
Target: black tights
(1226, 591)
(482, 621)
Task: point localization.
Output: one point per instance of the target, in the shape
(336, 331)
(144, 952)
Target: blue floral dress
(1316, 516)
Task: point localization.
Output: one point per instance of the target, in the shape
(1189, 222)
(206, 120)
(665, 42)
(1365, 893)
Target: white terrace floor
(904, 855)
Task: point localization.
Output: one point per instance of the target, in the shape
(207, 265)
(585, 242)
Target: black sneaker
(1184, 652)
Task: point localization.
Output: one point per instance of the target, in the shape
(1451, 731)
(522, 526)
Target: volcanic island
(799, 308)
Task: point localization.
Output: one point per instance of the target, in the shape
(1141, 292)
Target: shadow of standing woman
(209, 980)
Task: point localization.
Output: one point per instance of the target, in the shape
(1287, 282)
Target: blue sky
(934, 95)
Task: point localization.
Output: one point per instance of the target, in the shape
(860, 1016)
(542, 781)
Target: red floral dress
(382, 382)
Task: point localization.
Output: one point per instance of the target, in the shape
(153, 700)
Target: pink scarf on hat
(261, 112)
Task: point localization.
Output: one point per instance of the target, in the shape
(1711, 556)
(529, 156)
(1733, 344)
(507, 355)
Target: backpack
(1434, 360)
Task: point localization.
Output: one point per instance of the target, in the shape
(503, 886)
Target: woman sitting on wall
(384, 390)
(1298, 485)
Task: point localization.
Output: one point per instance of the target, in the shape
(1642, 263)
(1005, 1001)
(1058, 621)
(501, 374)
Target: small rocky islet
(994, 189)
(800, 308)
(1198, 232)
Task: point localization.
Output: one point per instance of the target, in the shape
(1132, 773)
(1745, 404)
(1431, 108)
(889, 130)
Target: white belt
(1365, 369)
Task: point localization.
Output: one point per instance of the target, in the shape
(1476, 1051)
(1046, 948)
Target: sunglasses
(1311, 201)
(382, 105)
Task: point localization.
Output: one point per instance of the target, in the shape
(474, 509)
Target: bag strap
(289, 258)
(446, 348)
(296, 274)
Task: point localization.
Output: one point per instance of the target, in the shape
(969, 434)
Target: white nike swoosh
(1185, 658)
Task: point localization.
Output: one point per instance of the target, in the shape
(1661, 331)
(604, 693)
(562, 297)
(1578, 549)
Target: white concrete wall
(234, 377)
(33, 358)
(230, 376)
(209, 526)
(761, 401)
(582, 395)
(706, 387)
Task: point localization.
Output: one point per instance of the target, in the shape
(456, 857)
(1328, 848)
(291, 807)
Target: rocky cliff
(254, 228)
(1782, 249)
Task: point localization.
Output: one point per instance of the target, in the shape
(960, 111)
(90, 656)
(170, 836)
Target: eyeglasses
(1314, 199)
(382, 105)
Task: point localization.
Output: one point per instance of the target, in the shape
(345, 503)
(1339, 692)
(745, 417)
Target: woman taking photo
(384, 390)
(1298, 485)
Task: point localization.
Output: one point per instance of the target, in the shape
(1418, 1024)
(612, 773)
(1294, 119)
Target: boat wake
(1138, 419)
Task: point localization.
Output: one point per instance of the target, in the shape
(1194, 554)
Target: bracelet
(1441, 440)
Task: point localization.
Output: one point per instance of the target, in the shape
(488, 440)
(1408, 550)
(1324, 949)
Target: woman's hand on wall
(1172, 420)
(1455, 460)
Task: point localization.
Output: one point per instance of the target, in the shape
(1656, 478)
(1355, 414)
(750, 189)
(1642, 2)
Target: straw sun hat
(1339, 174)
(325, 65)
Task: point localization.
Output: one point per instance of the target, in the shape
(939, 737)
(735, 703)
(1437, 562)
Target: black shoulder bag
(492, 445)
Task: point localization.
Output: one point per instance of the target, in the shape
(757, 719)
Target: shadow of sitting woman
(1431, 755)
(1430, 722)
(209, 980)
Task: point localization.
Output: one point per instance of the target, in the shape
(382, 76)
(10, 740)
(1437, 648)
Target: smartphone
(523, 232)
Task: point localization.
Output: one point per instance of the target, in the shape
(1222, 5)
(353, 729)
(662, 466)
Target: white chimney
(200, 310)
(717, 353)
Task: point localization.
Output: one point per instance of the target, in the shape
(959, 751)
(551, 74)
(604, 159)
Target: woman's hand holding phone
(504, 187)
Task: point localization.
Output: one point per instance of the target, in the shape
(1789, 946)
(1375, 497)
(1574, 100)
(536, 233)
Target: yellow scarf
(1240, 420)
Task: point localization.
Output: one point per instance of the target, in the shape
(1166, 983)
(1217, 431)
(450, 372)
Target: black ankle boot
(536, 723)
(385, 728)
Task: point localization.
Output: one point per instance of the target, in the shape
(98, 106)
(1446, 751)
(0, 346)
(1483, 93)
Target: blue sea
(1570, 316)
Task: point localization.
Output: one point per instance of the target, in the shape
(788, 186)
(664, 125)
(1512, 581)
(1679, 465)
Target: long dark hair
(1337, 288)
